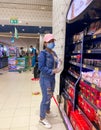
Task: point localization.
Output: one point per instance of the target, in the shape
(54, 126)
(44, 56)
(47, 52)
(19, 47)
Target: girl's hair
(44, 45)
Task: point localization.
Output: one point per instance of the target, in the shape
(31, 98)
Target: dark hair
(31, 46)
(21, 47)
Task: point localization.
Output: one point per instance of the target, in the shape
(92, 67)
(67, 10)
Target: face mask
(51, 45)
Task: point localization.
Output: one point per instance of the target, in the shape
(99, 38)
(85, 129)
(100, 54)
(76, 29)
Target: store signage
(77, 7)
(14, 20)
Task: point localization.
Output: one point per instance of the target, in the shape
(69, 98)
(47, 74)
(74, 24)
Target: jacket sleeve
(42, 64)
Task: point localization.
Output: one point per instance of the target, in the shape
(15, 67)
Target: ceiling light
(42, 7)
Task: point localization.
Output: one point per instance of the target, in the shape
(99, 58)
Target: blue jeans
(47, 87)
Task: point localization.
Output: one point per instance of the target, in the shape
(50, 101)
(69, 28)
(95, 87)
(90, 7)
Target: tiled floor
(19, 108)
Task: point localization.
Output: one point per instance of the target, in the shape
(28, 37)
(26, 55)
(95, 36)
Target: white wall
(60, 8)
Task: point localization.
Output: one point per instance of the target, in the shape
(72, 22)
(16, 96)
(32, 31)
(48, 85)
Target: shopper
(36, 71)
(32, 53)
(22, 52)
(47, 64)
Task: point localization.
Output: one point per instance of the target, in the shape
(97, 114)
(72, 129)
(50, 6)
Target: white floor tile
(19, 128)
(6, 113)
(19, 107)
(5, 122)
(21, 121)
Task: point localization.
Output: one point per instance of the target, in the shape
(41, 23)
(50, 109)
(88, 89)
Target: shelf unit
(80, 96)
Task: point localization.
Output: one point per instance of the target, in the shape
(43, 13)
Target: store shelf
(91, 84)
(89, 122)
(66, 119)
(96, 36)
(68, 96)
(76, 52)
(77, 42)
(74, 63)
(91, 67)
(73, 74)
(69, 83)
(94, 106)
(95, 51)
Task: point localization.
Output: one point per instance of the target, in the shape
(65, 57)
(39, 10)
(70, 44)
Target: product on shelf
(95, 28)
(77, 37)
(71, 92)
(87, 109)
(69, 107)
(76, 58)
(99, 120)
(92, 94)
(93, 62)
(93, 77)
(78, 121)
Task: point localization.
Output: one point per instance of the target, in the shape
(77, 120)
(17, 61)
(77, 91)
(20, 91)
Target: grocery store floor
(19, 107)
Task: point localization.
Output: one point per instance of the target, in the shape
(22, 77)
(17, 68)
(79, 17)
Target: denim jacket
(46, 63)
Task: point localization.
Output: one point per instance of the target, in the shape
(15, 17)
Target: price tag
(89, 51)
(84, 66)
(99, 112)
(93, 86)
(97, 69)
(93, 128)
(94, 36)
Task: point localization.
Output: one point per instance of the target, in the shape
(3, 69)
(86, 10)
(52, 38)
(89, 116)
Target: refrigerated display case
(80, 80)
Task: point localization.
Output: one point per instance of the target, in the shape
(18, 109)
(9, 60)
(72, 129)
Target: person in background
(22, 52)
(34, 54)
(48, 66)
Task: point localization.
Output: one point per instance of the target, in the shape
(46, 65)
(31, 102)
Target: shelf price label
(84, 66)
(94, 36)
(96, 69)
(93, 85)
(99, 112)
(89, 51)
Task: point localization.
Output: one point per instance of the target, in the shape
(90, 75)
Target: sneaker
(51, 115)
(45, 123)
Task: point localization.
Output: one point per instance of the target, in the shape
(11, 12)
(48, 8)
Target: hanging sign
(14, 20)
(77, 7)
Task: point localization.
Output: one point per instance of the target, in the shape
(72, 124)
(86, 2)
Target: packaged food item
(69, 107)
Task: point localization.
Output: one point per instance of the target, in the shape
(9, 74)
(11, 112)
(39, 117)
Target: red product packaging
(81, 123)
(72, 119)
(69, 107)
(90, 112)
(98, 103)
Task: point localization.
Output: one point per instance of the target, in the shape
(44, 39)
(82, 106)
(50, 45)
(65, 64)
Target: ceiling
(34, 16)
(27, 12)
(45, 5)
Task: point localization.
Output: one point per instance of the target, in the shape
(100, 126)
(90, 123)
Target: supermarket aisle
(19, 108)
